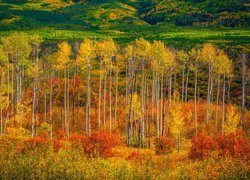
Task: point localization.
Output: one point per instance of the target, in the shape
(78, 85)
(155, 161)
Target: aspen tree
(195, 66)
(3, 64)
(35, 42)
(209, 56)
(85, 54)
(62, 63)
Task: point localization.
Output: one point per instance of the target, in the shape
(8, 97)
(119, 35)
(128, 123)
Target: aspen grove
(99, 97)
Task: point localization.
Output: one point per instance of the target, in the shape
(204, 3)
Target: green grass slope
(179, 23)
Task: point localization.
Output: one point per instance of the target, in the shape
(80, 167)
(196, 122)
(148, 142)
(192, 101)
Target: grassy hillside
(178, 23)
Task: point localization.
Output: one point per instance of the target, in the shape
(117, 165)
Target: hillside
(96, 14)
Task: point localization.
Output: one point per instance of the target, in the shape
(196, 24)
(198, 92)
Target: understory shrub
(164, 145)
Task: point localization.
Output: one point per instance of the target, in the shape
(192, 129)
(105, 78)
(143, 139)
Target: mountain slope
(98, 14)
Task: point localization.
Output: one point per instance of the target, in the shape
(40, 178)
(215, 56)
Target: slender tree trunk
(1, 109)
(34, 93)
(116, 96)
(73, 96)
(223, 103)
(208, 96)
(195, 100)
(147, 112)
(183, 82)
(65, 103)
(228, 91)
(45, 97)
(162, 101)
(110, 100)
(169, 93)
(186, 89)
(217, 100)
(142, 108)
(68, 122)
(104, 99)
(100, 97)
(157, 104)
(51, 106)
(88, 120)
(244, 69)
(132, 78)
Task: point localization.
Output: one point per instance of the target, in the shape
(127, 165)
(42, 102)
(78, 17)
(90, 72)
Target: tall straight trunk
(110, 100)
(157, 105)
(244, 71)
(104, 99)
(208, 95)
(147, 112)
(65, 103)
(162, 101)
(153, 97)
(174, 87)
(34, 93)
(100, 97)
(68, 123)
(182, 86)
(8, 102)
(116, 95)
(21, 95)
(51, 106)
(132, 78)
(228, 91)
(169, 93)
(45, 97)
(223, 103)
(186, 88)
(73, 96)
(1, 109)
(178, 142)
(88, 120)
(195, 100)
(217, 100)
(141, 144)
(12, 94)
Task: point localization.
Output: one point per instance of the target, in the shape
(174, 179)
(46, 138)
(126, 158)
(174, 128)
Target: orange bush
(234, 144)
(164, 145)
(100, 144)
(136, 156)
(77, 140)
(41, 141)
(202, 146)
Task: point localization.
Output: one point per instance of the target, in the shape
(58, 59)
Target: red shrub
(100, 144)
(60, 134)
(164, 145)
(77, 140)
(234, 144)
(202, 146)
(40, 141)
(57, 144)
(136, 156)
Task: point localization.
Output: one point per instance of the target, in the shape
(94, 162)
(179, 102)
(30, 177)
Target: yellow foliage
(63, 56)
(177, 119)
(85, 54)
(232, 119)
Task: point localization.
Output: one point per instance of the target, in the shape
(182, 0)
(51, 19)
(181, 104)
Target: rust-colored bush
(77, 140)
(202, 146)
(234, 144)
(39, 142)
(134, 155)
(100, 144)
(163, 145)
